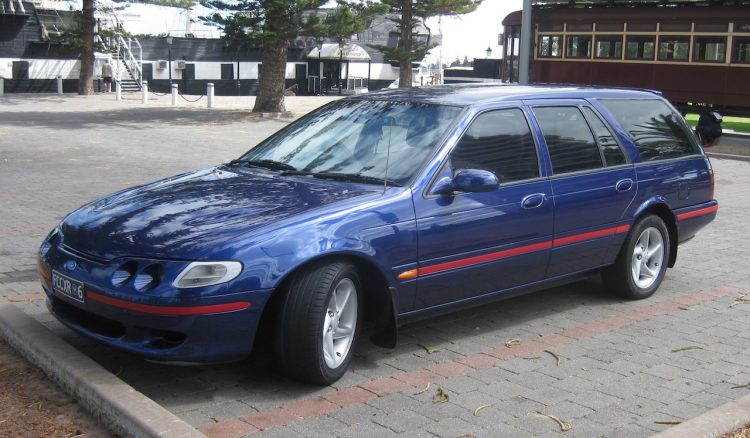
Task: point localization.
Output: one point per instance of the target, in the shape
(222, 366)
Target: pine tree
(409, 13)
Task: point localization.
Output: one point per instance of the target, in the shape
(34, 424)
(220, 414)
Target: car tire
(642, 262)
(318, 322)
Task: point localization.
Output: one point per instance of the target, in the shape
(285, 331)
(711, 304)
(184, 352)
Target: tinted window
(674, 48)
(569, 140)
(640, 47)
(498, 141)
(710, 49)
(613, 155)
(579, 46)
(659, 132)
(550, 46)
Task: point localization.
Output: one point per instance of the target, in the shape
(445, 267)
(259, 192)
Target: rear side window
(659, 132)
(501, 142)
(569, 140)
(613, 155)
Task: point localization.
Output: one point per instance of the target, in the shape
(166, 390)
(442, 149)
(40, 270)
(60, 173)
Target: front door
(473, 244)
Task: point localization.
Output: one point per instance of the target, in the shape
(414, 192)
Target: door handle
(624, 185)
(533, 201)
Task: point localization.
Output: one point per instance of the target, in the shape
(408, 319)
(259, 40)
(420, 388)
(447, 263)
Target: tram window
(741, 49)
(674, 48)
(569, 140)
(641, 27)
(608, 46)
(711, 27)
(659, 132)
(609, 27)
(613, 155)
(675, 27)
(580, 27)
(550, 27)
(550, 46)
(640, 47)
(579, 46)
(710, 49)
(742, 27)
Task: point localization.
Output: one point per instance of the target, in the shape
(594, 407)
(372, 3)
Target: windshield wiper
(350, 177)
(265, 164)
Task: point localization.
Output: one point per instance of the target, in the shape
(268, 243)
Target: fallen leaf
(424, 390)
(564, 425)
(557, 358)
(687, 348)
(746, 385)
(684, 308)
(742, 299)
(670, 422)
(512, 343)
(440, 396)
(429, 350)
(532, 357)
(476, 411)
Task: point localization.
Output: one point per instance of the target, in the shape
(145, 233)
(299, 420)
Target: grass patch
(737, 124)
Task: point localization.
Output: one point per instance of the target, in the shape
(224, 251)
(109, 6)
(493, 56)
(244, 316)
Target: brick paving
(617, 376)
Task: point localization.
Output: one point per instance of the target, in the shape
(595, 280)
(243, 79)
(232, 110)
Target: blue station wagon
(380, 209)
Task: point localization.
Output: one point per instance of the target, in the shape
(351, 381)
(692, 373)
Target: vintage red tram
(694, 55)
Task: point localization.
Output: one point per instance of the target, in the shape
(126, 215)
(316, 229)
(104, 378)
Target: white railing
(125, 52)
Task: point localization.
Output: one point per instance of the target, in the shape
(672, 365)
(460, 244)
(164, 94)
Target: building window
(550, 46)
(608, 46)
(579, 46)
(741, 49)
(710, 49)
(227, 72)
(640, 47)
(674, 48)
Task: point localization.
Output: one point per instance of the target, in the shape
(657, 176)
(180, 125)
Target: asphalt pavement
(607, 367)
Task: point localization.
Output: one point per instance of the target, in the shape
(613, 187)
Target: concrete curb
(714, 423)
(120, 407)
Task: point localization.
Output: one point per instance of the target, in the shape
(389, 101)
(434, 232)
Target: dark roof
(478, 94)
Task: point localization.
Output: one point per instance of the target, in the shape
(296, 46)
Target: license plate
(68, 287)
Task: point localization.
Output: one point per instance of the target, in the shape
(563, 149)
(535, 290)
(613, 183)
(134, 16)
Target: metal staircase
(50, 21)
(127, 69)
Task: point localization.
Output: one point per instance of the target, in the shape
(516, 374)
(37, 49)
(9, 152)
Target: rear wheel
(642, 262)
(317, 324)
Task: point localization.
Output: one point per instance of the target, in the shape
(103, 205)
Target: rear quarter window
(658, 131)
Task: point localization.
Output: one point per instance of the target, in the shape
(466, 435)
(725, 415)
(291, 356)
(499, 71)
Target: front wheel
(317, 324)
(642, 262)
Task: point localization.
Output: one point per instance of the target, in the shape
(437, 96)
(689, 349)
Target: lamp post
(320, 68)
(169, 47)
(341, 62)
(489, 52)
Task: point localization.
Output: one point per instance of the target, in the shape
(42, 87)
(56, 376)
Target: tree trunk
(85, 79)
(272, 78)
(405, 44)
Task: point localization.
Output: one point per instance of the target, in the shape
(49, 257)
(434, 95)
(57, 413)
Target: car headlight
(199, 274)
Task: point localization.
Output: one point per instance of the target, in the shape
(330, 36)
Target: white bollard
(2, 85)
(59, 84)
(118, 90)
(144, 92)
(174, 94)
(210, 95)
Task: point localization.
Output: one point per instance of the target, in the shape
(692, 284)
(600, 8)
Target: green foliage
(184, 4)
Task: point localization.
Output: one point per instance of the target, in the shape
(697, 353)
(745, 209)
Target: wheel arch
(660, 208)
(380, 306)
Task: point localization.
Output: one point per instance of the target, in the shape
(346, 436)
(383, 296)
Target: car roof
(478, 94)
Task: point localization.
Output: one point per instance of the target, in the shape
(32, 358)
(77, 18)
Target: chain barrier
(192, 101)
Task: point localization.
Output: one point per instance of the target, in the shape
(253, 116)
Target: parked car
(380, 209)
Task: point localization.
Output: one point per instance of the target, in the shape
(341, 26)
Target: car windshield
(366, 140)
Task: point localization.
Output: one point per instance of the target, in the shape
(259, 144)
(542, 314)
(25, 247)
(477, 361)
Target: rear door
(592, 185)
(471, 244)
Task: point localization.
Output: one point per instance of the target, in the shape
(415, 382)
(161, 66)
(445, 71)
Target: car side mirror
(467, 180)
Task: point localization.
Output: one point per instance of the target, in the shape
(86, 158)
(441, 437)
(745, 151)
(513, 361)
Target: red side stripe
(168, 310)
(455, 264)
(699, 212)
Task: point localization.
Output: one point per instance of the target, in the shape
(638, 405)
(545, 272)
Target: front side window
(501, 142)
(640, 47)
(674, 48)
(550, 46)
(579, 46)
(659, 132)
(569, 140)
(359, 138)
(609, 46)
(710, 49)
